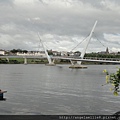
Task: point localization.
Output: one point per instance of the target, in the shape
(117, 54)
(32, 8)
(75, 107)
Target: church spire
(107, 51)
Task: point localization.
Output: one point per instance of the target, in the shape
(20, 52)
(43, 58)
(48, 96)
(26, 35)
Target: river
(36, 89)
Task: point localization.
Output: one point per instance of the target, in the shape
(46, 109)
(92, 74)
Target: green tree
(114, 80)
(24, 51)
(50, 52)
(14, 51)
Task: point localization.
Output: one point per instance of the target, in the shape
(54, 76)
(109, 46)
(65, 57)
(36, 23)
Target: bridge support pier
(7, 59)
(25, 61)
(51, 63)
(77, 66)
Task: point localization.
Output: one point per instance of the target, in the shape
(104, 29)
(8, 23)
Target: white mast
(88, 40)
(46, 53)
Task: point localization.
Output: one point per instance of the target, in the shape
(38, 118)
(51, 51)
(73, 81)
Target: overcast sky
(62, 24)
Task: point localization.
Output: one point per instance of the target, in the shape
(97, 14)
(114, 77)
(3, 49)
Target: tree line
(18, 50)
(98, 55)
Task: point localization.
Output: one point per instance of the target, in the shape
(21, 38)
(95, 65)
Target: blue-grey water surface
(36, 89)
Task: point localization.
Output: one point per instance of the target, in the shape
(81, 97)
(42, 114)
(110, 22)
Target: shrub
(114, 80)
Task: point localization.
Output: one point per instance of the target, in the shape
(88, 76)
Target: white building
(31, 54)
(2, 52)
(64, 53)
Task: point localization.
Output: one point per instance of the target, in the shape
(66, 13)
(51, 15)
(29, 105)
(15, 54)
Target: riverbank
(44, 61)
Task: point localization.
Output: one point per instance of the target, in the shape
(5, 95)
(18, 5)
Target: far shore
(44, 61)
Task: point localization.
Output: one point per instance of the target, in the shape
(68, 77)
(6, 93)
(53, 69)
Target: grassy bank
(42, 61)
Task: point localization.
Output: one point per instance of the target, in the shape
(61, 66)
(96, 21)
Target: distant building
(56, 53)
(2, 52)
(64, 53)
(74, 54)
(70, 53)
(104, 52)
(32, 53)
(77, 53)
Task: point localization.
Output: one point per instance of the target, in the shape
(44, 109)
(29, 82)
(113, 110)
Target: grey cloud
(72, 21)
(6, 2)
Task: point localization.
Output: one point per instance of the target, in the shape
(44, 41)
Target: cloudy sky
(62, 24)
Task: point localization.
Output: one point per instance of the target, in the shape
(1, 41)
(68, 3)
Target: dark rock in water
(2, 95)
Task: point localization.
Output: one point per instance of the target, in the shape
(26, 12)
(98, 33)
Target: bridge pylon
(78, 64)
(50, 61)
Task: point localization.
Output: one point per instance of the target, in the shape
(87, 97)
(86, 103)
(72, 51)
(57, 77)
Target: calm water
(47, 90)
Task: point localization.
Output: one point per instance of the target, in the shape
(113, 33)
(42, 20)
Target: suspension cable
(79, 43)
(102, 43)
(99, 41)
